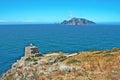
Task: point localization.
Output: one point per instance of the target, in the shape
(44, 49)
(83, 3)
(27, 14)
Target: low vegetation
(72, 61)
(30, 59)
(89, 65)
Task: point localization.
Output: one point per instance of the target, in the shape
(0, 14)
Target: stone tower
(31, 51)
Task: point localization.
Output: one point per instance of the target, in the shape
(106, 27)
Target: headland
(87, 65)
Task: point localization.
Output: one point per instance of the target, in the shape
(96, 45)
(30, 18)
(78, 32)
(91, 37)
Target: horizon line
(104, 23)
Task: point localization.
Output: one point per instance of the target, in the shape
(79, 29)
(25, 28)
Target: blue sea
(54, 37)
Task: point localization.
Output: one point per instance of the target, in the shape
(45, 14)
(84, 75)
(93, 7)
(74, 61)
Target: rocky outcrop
(77, 21)
(89, 65)
(32, 67)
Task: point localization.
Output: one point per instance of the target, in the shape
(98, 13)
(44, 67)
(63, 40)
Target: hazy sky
(58, 10)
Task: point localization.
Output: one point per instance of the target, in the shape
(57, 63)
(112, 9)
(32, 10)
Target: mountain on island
(77, 21)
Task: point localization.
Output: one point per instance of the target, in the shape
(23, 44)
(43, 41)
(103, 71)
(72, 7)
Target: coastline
(58, 65)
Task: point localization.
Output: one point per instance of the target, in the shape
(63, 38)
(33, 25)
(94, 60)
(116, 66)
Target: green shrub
(74, 61)
(30, 59)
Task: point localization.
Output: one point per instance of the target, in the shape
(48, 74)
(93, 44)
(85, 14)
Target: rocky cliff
(89, 65)
(77, 21)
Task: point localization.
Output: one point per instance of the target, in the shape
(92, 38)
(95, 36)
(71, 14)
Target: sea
(54, 37)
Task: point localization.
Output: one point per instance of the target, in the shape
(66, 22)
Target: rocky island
(77, 21)
(88, 65)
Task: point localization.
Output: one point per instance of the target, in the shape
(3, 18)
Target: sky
(55, 11)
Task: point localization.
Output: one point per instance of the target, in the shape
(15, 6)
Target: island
(77, 21)
(87, 65)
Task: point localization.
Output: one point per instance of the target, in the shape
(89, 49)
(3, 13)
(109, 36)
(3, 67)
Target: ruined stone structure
(31, 51)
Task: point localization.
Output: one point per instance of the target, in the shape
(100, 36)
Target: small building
(31, 51)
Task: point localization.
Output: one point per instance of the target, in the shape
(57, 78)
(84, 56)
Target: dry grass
(93, 65)
(98, 65)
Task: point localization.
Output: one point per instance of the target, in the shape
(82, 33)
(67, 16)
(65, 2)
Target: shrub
(30, 59)
(73, 61)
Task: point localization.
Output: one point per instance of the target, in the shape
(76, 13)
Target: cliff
(77, 21)
(89, 65)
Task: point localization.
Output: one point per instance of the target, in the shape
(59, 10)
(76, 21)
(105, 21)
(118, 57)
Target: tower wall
(31, 51)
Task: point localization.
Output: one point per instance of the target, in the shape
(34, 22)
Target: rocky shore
(88, 65)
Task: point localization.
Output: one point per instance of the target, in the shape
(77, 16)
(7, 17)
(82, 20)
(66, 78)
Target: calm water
(13, 39)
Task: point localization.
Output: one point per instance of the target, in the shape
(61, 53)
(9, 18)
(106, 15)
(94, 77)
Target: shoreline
(58, 52)
(61, 62)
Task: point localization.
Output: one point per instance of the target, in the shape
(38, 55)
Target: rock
(64, 67)
(57, 66)
(52, 69)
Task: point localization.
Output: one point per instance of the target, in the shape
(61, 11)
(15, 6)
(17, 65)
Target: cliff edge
(88, 65)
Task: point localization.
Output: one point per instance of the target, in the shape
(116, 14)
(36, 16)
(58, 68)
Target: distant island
(77, 21)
